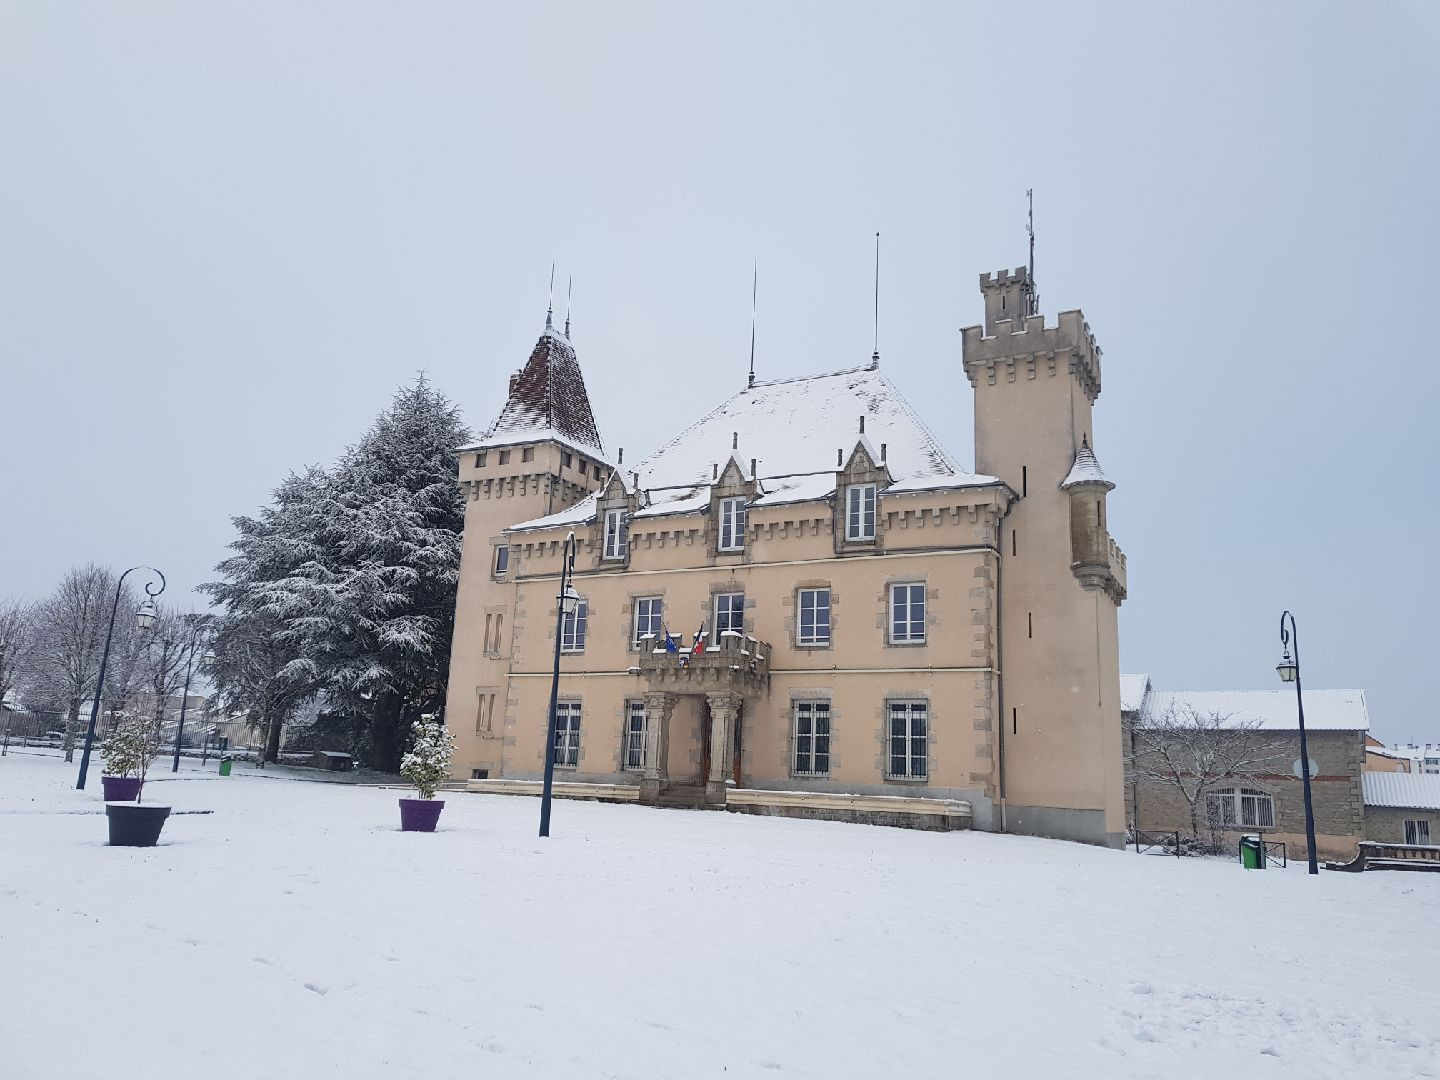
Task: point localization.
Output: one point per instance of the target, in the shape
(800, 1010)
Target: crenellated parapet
(1027, 348)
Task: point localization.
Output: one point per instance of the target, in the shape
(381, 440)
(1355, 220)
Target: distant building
(1379, 758)
(1269, 799)
(1424, 758)
(1402, 808)
(801, 603)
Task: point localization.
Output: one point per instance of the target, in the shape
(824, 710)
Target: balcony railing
(731, 661)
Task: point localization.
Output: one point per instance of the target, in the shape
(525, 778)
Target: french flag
(699, 641)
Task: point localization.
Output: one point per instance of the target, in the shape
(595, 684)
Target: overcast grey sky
(228, 231)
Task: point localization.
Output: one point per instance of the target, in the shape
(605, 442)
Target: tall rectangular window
(649, 616)
(907, 613)
(572, 629)
(732, 524)
(1417, 832)
(908, 738)
(860, 512)
(812, 738)
(567, 734)
(812, 617)
(635, 735)
(480, 460)
(729, 613)
(617, 534)
(502, 559)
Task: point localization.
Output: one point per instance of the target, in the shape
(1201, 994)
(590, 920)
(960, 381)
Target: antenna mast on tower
(1032, 296)
(754, 293)
(550, 304)
(875, 356)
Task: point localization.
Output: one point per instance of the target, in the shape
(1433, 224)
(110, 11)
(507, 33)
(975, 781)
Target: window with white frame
(860, 512)
(812, 617)
(617, 534)
(635, 735)
(812, 738)
(908, 735)
(729, 613)
(572, 629)
(649, 617)
(732, 524)
(502, 559)
(1417, 832)
(567, 734)
(1244, 808)
(907, 613)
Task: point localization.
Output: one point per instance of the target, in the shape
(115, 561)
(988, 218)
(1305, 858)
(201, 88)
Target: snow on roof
(795, 426)
(1381, 751)
(804, 487)
(548, 395)
(1133, 689)
(578, 514)
(1416, 791)
(1086, 469)
(534, 435)
(1271, 710)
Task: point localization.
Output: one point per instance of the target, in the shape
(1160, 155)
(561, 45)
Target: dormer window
(860, 512)
(502, 559)
(732, 524)
(617, 534)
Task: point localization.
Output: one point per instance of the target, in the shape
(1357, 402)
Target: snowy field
(295, 932)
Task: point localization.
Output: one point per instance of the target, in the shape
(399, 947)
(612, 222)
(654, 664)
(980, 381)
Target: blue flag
(670, 645)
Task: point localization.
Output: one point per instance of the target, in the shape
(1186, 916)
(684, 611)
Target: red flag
(699, 641)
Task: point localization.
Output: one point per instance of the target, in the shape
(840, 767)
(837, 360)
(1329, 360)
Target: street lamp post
(144, 619)
(197, 625)
(566, 602)
(1289, 671)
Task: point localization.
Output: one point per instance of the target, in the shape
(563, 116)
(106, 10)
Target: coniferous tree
(354, 571)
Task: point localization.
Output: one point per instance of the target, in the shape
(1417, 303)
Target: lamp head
(569, 600)
(1287, 669)
(145, 615)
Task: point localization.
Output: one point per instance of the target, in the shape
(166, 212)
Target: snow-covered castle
(802, 604)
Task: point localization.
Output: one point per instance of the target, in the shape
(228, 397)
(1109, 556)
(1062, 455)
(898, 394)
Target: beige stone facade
(885, 635)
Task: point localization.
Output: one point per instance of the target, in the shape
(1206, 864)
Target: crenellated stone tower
(542, 455)
(1061, 578)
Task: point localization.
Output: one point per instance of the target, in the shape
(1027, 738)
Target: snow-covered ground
(295, 932)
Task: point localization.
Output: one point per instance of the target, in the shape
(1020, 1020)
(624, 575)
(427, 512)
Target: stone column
(724, 712)
(658, 707)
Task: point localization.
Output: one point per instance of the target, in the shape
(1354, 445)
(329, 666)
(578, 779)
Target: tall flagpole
(754, 294)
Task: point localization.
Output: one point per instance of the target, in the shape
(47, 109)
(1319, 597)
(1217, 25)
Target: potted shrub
(120, 777)
(426, 765)
(136, 741)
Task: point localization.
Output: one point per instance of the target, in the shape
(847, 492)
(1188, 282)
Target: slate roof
(793, 428)
(1086, 470)
(1416, 791)
(547, 400)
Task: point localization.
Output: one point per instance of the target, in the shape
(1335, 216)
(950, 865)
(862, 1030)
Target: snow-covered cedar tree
(355, 569)
(131, 747)
(427, 763)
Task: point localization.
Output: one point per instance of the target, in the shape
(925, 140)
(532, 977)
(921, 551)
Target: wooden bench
(1373, 856)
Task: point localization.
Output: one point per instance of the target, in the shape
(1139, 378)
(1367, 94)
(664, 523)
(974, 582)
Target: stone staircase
(686, 797)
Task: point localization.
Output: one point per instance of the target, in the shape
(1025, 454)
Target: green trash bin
(225, 766)
(1252, 853)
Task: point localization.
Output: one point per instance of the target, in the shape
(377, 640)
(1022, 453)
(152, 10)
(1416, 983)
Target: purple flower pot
(420, 815)
(121, 788)
(135, 826)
